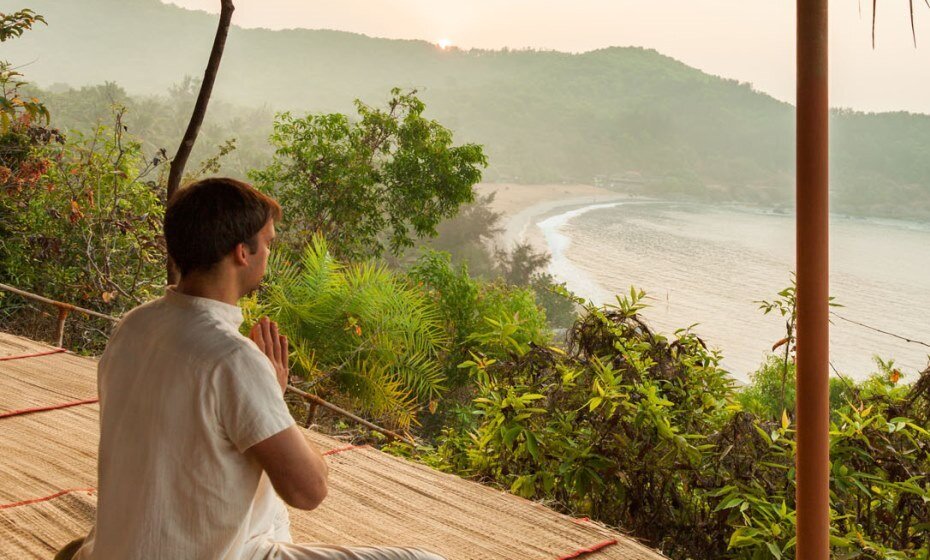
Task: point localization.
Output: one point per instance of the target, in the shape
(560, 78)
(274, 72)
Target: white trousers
(283, 548)
(291, 551)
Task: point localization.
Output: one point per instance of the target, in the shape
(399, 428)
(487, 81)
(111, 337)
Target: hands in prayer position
(265, 334)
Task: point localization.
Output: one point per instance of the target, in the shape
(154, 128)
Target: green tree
(13, 107)
(21, 116)
(87, 229)
(468, 238)
(371, 184)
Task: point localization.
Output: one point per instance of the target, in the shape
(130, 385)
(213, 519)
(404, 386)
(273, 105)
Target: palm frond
(380, 339)
(378, 393)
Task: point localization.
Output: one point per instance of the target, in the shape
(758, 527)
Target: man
(197, 448)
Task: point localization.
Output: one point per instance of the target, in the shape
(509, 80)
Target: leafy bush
(512, 320)
(554, 297)
(492, 316)
(469, 240)
(772, 390)
(647, 433)
(86, 230)
(358, 330)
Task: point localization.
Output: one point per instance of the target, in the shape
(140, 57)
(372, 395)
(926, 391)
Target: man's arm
(296, 468)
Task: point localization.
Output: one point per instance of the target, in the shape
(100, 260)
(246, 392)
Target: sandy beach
(523, 206)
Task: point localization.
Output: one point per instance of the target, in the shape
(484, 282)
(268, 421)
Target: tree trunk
(200, 109)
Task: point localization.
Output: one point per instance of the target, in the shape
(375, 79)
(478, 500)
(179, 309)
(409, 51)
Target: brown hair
(205, 221)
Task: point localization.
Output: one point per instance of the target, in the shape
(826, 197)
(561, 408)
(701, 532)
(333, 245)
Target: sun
(444, 43)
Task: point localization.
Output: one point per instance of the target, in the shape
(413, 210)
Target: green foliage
(15, 24)
(456, 295)
(512, 320)
(468, 238)
(371, 184)
(605, 429)
(491, 316)
(647, 433)
(880, 478)
(524, 266)
(486, 319)
(85, 228)
(14, 107)
(358, 331)
(772, 390)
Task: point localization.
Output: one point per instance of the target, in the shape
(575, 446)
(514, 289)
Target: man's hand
(265, 334)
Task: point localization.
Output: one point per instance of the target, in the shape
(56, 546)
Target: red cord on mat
(46, 498)
(588, 550)
(341, 449)
(44, 408)
(581, 520)
(37, 354)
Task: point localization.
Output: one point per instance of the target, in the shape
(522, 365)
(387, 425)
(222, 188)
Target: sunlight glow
(444, 44)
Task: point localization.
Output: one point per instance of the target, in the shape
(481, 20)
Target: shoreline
(523, 207)
(729, 321)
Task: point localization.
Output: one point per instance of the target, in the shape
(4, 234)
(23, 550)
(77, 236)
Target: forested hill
(626, 116)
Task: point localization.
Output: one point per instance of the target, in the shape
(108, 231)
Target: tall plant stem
(200, 110)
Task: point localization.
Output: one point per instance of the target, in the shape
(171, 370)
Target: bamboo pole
(342, 412)
(60, 305)
(813, 378)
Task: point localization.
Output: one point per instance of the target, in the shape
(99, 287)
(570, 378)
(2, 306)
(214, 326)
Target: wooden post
(311, 414)
(813, 377)
(60, 332)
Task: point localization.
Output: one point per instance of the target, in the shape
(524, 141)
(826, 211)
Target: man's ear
(240, 254)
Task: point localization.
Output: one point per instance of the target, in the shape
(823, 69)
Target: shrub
(647, 433)
(359, 332)
(86, 230)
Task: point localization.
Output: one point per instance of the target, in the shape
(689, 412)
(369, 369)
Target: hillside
(626, 117)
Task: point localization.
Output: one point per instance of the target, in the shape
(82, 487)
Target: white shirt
(182, 396)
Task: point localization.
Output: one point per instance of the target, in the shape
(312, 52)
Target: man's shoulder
(141, 313)
(227, 350)
(241, 352)
(207, 341)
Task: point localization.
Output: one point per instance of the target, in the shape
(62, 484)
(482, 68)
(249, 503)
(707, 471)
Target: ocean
(709, 266)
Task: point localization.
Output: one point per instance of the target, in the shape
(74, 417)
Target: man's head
(221, 225)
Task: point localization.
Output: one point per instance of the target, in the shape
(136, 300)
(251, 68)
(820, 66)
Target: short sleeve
(249, 404)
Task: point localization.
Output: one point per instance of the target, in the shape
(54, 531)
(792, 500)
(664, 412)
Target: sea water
(710, 266)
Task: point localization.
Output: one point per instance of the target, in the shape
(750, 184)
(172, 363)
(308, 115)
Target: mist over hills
(626, 117)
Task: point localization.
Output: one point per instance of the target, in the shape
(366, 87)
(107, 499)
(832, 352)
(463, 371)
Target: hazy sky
(749, 40)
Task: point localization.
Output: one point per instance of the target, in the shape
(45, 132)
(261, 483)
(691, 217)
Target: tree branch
(200, 110)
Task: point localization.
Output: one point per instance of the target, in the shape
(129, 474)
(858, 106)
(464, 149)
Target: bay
(710, 266)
